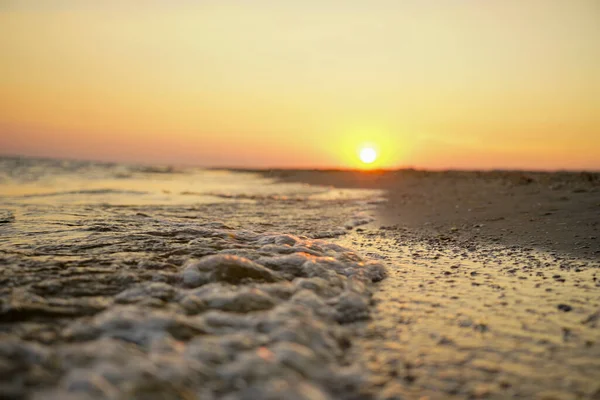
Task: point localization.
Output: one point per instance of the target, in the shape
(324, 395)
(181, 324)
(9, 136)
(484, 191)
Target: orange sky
(430, 84)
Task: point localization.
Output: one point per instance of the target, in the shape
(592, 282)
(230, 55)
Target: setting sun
(368, 155)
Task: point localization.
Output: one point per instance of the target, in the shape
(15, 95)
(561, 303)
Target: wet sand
(557, 212)
(493, 288)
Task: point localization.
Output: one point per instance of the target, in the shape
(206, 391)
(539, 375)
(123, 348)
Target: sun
(368, 155)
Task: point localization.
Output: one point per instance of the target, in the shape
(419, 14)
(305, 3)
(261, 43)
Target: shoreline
(469, 311)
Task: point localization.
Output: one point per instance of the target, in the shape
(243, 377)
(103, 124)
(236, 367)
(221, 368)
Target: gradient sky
(430, 84)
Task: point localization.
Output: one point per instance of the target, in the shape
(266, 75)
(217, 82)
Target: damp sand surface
(493, 287)
(552, 211)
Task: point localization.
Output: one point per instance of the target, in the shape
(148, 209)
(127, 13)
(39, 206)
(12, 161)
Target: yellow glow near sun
(368, 155)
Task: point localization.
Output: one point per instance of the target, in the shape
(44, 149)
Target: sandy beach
(493, 283)
(557, 212)
(123, 281)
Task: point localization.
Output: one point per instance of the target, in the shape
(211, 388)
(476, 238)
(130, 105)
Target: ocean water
(41, 181)
(124, 281)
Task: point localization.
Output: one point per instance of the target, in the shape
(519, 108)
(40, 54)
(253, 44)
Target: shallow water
(47, 181)
(134, 282)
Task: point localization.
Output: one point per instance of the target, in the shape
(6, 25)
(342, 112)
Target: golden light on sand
(368, 155)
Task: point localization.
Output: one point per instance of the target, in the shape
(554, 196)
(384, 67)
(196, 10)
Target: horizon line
(308, 169)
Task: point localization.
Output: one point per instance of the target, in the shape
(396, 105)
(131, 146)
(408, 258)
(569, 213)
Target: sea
(135, 281)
